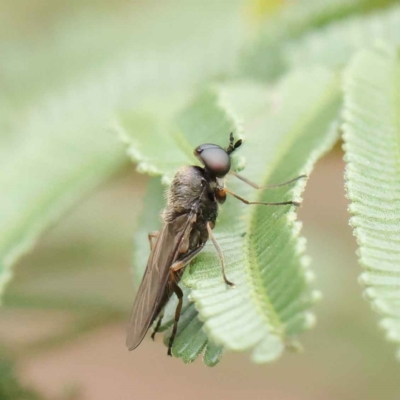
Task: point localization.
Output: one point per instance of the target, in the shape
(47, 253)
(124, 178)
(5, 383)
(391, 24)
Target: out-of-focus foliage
(10, 387)
(372, 151)
(266, 58)
(334, 45)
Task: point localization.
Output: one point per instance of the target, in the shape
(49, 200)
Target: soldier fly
(189, 218)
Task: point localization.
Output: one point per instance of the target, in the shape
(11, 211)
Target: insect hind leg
(158, 325)
(178, 291)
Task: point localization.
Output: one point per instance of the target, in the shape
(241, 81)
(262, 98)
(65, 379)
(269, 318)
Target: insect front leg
(255, 186)
(220, 254)
(243, 200)
(151, 236)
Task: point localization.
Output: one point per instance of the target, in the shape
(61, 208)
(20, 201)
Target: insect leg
(178, 291)
(255, 186)
(176, 266)
(157, 328)
(242, 199)
(151, 236)
(220, 254)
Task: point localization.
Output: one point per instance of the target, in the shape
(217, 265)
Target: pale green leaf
(60, 159)
(266, 58)
(149, 144)
(271, 300)
(158, 145)
(372, 153)
(287, 129)
(212, 354)
(59, 108)
(334, 45)
(154, 46)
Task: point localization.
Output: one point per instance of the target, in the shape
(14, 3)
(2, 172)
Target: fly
(189, 218)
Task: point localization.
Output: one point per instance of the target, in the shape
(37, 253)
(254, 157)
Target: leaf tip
(369, 294)
(310, 320)
(316, 296)
(364, 279)
(309, 276)
(294, 346)
(270, 349)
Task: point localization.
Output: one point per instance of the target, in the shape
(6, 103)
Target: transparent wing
(154, 283)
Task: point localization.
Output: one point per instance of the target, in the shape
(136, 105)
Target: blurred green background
(64, 313)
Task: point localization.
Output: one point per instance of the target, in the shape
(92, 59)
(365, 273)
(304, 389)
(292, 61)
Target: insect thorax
(186, 189)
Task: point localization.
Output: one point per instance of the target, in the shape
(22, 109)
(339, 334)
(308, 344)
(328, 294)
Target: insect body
(189, 217)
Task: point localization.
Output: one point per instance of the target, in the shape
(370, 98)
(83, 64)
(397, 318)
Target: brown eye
(215, 159)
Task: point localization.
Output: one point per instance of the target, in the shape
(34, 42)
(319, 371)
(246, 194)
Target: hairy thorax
(189, 186)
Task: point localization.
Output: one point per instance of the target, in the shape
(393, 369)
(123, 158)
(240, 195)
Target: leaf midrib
(396, 117)
(261, 297)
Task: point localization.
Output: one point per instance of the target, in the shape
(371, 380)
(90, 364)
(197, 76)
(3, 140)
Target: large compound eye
(215, 159)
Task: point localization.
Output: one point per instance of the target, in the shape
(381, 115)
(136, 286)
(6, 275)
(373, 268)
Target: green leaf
(287, 129)
(161, 145)
(336, 44)
(57, 111)
(55, 165)
(372, 154)
(129, 43)
(266, 58)
(212, 354)
(10, 385)
(264, 255)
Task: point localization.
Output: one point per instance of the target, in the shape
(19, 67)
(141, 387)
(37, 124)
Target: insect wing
(154, 283)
